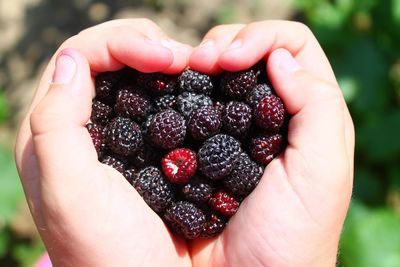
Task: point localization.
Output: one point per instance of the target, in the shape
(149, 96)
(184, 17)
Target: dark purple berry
(264, 148)
(236, 119)
(114, 162)
(213, 226)
(132, 105)
(196, 82)
(224, 203)
(97, 133)
(187, 102)
(198, 190)
(167, 129)
(105, 84)
(130, 175)
(204, 122)
(157, 83)
(258, 93)
(236, 85)
(101, 113)
(123, 136)
(164, 102)
(270, 113)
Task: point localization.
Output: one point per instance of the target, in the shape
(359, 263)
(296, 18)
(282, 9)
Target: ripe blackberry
(187, 102)
(154, 188)
(198, 190)
(237, 84)
(218, 155)
(270, 113)
(164, 102)
(167, 129)
(213, 226)
(130, 175)
(219, 106)
(258, 93)
(123, 136)
(146, 155)
(196, 82)
(132, 105)
(114, 162)
(224, 203)
(157, 83)
(244, 177)
(185, 219)
(179, 165)
(97, 134)
(101, 113)
(105, 84)
(264, 148)
(236, 119)
(204, 122)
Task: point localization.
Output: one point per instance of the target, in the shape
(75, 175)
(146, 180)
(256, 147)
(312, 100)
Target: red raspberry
(224, 203)
(179, 165)
(270, 113)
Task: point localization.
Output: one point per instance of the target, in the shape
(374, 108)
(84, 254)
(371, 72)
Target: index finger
(257, 40)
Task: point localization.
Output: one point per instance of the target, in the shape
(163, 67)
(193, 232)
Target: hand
(295, 215)
(86, 213)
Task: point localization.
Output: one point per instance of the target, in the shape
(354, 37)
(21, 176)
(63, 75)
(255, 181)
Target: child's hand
(86, 213)
(295, 215)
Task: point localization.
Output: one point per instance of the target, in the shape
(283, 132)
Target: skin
(88, 215)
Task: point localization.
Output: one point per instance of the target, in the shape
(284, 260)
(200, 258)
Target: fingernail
(235, 45)
(170, 44)
(65, 69)
(288, 63)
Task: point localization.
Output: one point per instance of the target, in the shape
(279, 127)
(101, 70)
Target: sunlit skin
(88, 215)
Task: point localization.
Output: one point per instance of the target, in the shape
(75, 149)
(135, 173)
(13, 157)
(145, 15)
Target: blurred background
(361, 38)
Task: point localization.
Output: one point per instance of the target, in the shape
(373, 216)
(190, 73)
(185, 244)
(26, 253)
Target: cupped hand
(85, 211)
(295, 215)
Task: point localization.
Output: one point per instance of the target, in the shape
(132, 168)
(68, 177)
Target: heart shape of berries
(192, 145)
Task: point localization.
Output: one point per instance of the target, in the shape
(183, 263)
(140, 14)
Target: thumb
(62, 145)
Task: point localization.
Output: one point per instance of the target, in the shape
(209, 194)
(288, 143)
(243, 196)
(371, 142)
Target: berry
(164, 102)
(244, 177)
(237, 118)
(123, 136)
(157, 83)
(224, 203)
(105, 84)
(186, 219)
(130, 175)
(198, 190)
(196, 82)
(213, 226)
(101, 113)
(204, 122)
(237, 84)
(97, 134)
(167, 129)
(114, 162)
(179, 165)
(187, 102)
(219, 106)
(146, 155)
(218, 155)
(154, 188)
(270, 113)
(132, 105)
(264, 148)
(258, 93)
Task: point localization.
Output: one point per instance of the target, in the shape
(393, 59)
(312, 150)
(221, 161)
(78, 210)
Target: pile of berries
(192, 145)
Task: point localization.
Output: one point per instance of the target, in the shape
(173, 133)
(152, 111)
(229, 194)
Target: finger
(317, 127)
(205, 57)
(257, 40)
(64, 150)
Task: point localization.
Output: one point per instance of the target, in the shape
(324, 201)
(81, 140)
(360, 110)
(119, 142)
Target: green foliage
(361, 39)
(4, 109)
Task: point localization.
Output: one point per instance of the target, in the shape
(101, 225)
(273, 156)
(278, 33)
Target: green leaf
(370, 238)
(27, 254)
(4, 242)
(10, 187)
(4, 108)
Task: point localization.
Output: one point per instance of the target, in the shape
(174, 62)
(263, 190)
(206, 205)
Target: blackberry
(146, 155)
(157, 83)
(270, 113)
(145, 126)
(236, 118)
(187, 102)
(101, 113)
(154, 188)
(105, 84)
(97, 133)
(114, 162)
(164, 102)
(130, 175)
(237, 84)
(244, 177)
(224, 203)
(167, 129)
(204, 122)
(258, 93)
(219, 106)
(123, 136)
(185, 219)
(196, 82)
(264, 148)
(198, 190)
(213, 226)
(132, 105)
(218, 155)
